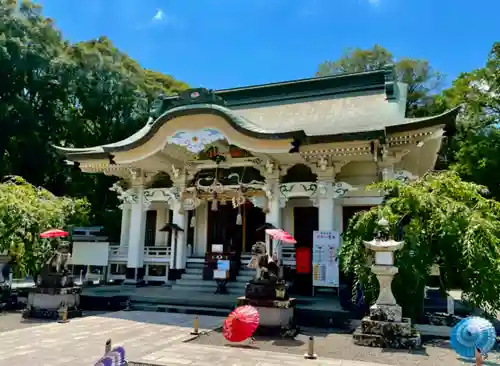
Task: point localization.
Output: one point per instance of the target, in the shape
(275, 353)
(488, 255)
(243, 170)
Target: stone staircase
(192, 279)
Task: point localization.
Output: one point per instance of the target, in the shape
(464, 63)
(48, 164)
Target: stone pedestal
(265, 289)
(385, 327)
(276, 317)
(45, 302)
(276, 309)
(386, 333)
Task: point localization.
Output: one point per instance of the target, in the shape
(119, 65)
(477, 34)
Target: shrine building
(215, 167)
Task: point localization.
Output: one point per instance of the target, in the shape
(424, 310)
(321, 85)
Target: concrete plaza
(148, 337)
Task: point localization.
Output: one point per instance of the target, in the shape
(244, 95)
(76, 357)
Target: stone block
(266, 290)
(391, 313)
(385, 328)
(375, 340)
(269, 303)
(53, 302)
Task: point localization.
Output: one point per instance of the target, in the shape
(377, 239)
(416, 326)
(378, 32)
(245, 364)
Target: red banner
(303, 260)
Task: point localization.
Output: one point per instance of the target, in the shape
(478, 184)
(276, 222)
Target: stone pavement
(200, 355)
(81, 341)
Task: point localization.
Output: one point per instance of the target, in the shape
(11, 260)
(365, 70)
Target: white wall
(90, 253)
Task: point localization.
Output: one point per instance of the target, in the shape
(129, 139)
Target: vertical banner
(325, 264)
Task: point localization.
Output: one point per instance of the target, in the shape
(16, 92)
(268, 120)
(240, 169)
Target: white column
(326, 210)
(136, 235)
(274, 215)
(125, 225)
(326, 204)
(180, 247)
(337, 216)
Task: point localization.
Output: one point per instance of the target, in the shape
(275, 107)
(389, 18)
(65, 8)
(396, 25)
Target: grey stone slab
(190, 354)
(81, 341)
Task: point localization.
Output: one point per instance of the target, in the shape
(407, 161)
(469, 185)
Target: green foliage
(421, 78)
(443, 220)
(474, 151)
(25, 212)
(75, 95)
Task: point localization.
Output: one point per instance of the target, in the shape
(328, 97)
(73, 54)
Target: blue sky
(227, 43)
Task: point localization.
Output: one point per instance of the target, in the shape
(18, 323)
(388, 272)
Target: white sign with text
(324, 259)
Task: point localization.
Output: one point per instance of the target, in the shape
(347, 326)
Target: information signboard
(325, 263)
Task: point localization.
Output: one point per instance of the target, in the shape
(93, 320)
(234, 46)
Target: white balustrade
(151, 254)
(118, 253)
(157, 254)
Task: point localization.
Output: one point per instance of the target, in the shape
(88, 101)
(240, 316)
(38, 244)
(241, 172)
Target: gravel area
(337, 344)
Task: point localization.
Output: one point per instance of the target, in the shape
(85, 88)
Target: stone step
(197, 271)
(192, 276)
(201, 283)
(207, 289)
(244, 278)
(246, 272)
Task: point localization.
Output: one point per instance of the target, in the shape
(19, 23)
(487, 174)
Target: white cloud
(159, 16)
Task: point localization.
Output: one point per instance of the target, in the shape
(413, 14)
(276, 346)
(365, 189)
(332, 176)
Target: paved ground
(333, 345)
(199, 355)
(157, 338)
(81, 341)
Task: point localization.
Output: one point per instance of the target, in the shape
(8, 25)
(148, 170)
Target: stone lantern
(385, 327)
(384, 248)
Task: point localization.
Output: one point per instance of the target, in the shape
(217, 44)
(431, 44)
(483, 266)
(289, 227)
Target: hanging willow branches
(443, 220)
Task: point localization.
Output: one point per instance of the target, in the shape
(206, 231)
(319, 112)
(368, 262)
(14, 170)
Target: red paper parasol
(241, 324)
(54, 233)
(281, 235)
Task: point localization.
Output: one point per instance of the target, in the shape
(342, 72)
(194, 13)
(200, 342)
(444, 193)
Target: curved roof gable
(333, 115)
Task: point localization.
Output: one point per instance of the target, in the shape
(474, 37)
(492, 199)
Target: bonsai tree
(444, 221)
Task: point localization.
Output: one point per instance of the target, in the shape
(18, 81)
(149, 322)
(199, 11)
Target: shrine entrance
(235, 228)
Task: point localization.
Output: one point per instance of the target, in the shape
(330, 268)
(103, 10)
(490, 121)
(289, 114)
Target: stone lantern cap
(383, 243)
(378, 245)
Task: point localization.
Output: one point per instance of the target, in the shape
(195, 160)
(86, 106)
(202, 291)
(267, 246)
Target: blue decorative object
(472, 333)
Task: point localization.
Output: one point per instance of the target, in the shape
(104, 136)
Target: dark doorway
(253, 219)
(222, 227)
(305, 223)
(150, 228)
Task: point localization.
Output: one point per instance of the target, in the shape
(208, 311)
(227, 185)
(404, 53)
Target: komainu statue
(266, 268)
(55, 273)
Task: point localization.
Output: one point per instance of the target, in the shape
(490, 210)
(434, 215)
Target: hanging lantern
(239, 219)
(214, 202)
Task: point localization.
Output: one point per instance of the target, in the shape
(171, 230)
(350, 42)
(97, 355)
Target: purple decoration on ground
(118, 354)
(105, 361)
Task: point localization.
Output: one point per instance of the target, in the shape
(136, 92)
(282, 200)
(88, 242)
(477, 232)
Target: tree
(421, 78)
(474, 152)
(25, 212)
(442, 220)
(55, 92)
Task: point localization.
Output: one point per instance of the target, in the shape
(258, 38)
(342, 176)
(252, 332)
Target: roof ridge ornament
(189, 96)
